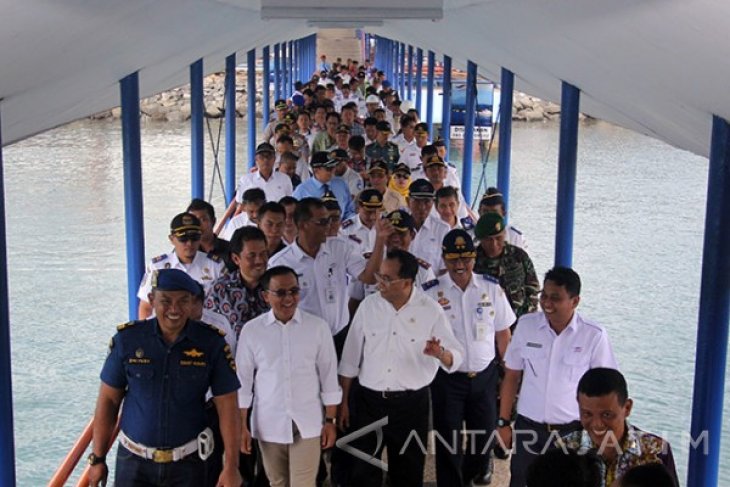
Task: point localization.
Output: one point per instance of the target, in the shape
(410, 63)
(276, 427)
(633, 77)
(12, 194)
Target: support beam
(505, 135)
(265, 98)
(402, 69)
(133, 202)
(197, 140)
(7, 433)
(230, 101)
(251, 109)
(419, 80)
(567, 169)
(469, 116)
(446, 112)
(290, 70)
(277, 72)
(714, 314)
(430, 81)
(284, 70)
(410, 72)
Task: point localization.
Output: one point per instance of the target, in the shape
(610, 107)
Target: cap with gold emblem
(458, 244)
(421, 188)
(434, 160)
(378, 166)
(401, 220)
(370, 198)
(184, 223)
(489, 224)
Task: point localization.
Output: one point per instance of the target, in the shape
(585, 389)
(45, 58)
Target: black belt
(392, 394)
(573, 425)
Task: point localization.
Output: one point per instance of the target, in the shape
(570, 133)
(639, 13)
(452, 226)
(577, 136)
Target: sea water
(640, 207)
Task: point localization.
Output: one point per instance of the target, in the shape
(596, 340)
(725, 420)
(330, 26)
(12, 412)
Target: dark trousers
(529, 441)
(405, 437)
(134, 471)
(460, 401)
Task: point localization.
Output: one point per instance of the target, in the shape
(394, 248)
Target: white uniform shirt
(238, 221)
(410, 153)
(515, 237)
(288, 372)
(354, 181)
(353, 229)
(427, 242)
(475, 315)
(323, 280)
(277, 186)
(384, 347)
(210, 317)
(203, 269)
(358, 290)
(553, 364)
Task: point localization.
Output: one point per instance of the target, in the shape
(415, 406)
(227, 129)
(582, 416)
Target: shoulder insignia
(515, 230)
(423, 263)
(355, 238)
(367, 255)
(159, 258)
(429, 284)
(347, 223)
(215, 329)
(467, 223)
(214, 257)
(490, 278)
(126, 325)
(450, 164)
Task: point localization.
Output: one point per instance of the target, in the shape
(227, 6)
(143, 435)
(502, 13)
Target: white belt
(160, 455)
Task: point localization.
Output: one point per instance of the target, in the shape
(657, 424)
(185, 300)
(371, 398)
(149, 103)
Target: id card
(329, 295)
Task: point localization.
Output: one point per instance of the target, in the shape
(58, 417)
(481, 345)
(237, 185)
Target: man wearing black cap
(431, 230)
(162, 368)
(358, 228)
(275, 184)
(480, 316)
(493, 202)
(185, 237)
(342, 136)
(324, 181)
(382, 149)
(436, 172)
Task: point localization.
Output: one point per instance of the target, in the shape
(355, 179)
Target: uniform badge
(139, 353)
(206, 270)
(443, 301)
(193, 353)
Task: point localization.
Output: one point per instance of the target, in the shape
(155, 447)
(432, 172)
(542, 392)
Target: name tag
(534, 345)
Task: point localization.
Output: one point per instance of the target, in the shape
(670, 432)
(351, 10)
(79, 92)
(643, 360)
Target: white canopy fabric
(659, 67)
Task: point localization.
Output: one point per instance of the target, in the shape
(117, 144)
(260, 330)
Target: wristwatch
(501, 422)
(330, 420)
(95, 459)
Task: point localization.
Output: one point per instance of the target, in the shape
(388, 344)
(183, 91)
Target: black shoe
(486, 477)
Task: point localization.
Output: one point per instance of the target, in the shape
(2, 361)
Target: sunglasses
(400, 176)
(188, 238)
(282, 293)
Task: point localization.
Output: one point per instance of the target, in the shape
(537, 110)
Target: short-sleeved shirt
(475, 315)
(387, 153)
(275, 188)
(230, 297)
(323, 279)
(166, 384)
(516, 275)
(205, 268)
(553, 364)
(354, 229)
(427, 242)
(312, 187)
(358, 290)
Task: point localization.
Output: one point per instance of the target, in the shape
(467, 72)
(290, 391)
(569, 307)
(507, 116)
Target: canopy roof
(658, 67)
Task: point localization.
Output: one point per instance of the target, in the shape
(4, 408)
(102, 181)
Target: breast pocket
(191, 383)
(576, 364)
(141, 381)
(534, 361)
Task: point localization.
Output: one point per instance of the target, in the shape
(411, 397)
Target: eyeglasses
(282, 293)
(385, 280)
(188, 238)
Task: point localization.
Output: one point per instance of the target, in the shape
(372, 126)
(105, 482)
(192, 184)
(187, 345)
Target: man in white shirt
(287, 366)
(398, 340)
(430, 229)
(493, 202)
(550, 351)
(343, 170)
(480, 316)
(369, 204)
(275, 184)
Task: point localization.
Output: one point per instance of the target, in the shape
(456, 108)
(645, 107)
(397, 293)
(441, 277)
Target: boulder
(536, 114)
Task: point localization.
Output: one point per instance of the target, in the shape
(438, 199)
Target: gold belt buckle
(162, 456)
(471, 375)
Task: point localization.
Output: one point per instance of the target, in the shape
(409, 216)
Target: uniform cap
(322, 159)
(421, 188)
(184, 223)
(402, 168)
(382, 127)
(372, 99)
(401, 220)
(280, 104)
(489, 224)
(370, 198)
(492, 199)
(174, 280)
(434, 160)
(420, 129)
(338, 154)
(342, 129)
(458, 243)
(378, 166)
(297, 100)
(330, 201)
(264, 147)
(439, 142)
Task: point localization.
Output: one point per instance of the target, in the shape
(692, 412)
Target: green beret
(489, 224)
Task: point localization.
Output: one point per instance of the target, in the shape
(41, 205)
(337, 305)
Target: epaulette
(214, 328)
(126, 325)
(515, 230)
(214, 257)
(423, 263)
(159, 258)
(490, 278)
(347, 223)
(467, 223)
(355, 238)
(429, 284)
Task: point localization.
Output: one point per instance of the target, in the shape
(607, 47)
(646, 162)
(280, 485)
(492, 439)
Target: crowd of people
(348, 302)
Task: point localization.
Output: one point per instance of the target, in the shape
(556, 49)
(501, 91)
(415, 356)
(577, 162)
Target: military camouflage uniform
(388, 153)
(516, 275)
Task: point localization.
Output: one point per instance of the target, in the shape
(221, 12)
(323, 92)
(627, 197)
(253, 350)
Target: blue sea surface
(640, 208)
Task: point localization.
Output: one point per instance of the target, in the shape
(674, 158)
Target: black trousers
(405, 437)
(529, 441)
(469, 403)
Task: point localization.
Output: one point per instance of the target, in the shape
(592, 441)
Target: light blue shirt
(314, 188)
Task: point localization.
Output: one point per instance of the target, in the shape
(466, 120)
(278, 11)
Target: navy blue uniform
(164, 404)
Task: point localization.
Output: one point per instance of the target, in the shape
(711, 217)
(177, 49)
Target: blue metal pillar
(394, 63)
(567, 169)
(251, 109)
(277, 72)
(290, 70)
(7, 434)
(197, 149)
(446, 113)
(714, 314)
(410, 72)
(402, 69)
(133, 202)
(230, 101)
(469, 116)
(265, 99)
(284, 70)
(419, 79)
(505, 135)
(429, 92)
